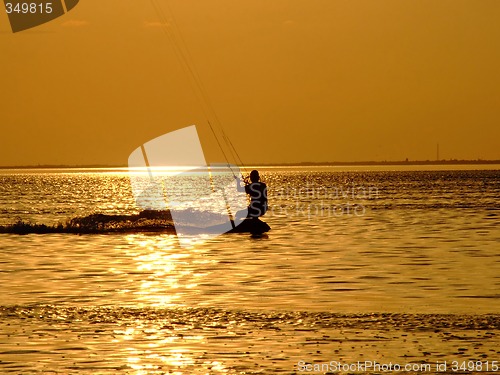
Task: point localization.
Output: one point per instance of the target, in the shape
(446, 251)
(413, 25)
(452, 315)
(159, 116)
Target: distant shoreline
(382, 163)
(300, 164)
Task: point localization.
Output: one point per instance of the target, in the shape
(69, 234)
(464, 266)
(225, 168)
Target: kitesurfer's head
(254, 176)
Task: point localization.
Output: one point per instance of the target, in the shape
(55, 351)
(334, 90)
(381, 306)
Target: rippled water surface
(342, 242)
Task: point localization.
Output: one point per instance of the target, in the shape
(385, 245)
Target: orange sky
(290, 80)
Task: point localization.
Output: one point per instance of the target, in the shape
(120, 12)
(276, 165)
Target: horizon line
(288, 164)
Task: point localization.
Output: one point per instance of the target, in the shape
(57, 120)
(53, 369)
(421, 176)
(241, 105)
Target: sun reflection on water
(154, 347)
(165, 269)
(164, 273)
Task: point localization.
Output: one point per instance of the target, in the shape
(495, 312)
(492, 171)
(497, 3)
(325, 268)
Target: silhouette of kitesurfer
(258, 196)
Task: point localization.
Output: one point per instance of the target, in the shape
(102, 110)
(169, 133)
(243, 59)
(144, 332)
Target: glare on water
(341, 243)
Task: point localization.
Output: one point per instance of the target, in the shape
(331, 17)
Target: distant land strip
(403, 162)
(61, 166)
(297, 164)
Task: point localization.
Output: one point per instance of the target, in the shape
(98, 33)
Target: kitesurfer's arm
(240, 188)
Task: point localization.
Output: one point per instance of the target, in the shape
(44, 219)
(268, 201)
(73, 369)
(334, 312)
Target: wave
(187, 221)
(299, 320)
(145, 221)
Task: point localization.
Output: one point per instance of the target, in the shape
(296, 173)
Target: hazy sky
(290, 80)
